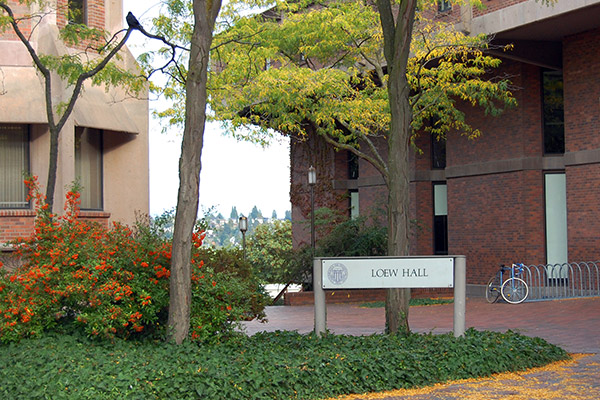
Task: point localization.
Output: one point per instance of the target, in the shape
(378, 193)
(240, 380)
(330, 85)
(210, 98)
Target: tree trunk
(52, 166)
(397, 34)
(190, 166)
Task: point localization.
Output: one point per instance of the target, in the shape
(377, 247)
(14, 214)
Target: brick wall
(18, 10)
(582, 91)
(95, 14)
(582, 132)
(496, 219)
(15, 224)
(20, 223)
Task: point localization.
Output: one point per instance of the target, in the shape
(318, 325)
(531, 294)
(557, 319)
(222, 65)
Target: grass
(278, 365)
(413, 302)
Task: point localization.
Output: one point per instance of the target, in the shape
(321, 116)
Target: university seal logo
(337, 273)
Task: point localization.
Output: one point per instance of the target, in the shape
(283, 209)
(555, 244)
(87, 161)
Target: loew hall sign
(384, 273)
(387, 273)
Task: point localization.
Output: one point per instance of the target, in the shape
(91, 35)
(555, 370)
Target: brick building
(104, 142)
(528, 189)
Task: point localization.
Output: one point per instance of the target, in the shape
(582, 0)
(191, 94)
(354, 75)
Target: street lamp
(243, 225)
(312, 181)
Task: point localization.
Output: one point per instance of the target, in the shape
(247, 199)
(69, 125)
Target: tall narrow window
(352, 166)
(14, 161)
(438, 153)
(440, 218)
(88, 166)
(554, 116)
(555, 186)
(354, 204)
(77, 11)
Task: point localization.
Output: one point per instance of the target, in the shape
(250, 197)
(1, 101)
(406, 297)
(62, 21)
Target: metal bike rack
(561, 281)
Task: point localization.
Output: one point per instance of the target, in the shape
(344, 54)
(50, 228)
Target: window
(440, 218)
(352, 166)
(557, 246)
(444, 5)
(14, 161)
(555, 187)
(354, 204)
(438, 153)
(553, 117)
(88, 166)
(77, 11)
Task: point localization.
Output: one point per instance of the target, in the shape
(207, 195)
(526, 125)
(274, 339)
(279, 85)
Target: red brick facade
(496, 183)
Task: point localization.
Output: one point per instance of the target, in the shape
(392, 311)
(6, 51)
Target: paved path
(573, 324)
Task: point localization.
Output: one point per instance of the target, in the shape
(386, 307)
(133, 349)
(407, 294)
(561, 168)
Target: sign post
(390, 272)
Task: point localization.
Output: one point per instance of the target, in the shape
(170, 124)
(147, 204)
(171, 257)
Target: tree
(255, 213)
(205, 13)
(343, 72)
(268, 251)
(274, 214)
(93, 63)
(234, 213)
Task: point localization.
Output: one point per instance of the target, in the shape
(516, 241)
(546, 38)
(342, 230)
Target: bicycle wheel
(492, 290)
(514, 290)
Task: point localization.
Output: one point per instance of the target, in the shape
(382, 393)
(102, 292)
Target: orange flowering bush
(110, 282)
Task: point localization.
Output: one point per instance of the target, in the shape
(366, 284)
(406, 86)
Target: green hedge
(280, 365)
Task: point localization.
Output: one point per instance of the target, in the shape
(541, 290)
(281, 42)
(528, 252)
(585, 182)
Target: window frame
(439, 221)
(100, 199)
(82, 5)
(26, 204)
(444, 6)
(546, 147)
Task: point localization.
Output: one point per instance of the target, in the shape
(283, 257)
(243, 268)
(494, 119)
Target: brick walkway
(573, 324)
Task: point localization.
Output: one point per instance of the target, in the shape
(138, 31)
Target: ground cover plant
(114, 282)
(278, 365)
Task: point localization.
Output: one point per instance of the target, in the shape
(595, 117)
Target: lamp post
(243, 225)
(312, 180)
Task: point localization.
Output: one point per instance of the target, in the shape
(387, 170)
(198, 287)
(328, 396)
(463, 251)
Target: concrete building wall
(123, 120)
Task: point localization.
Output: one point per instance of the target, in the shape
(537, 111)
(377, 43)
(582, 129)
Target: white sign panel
(379, 273)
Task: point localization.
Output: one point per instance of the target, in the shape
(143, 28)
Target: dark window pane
(440, 234)
(554, 119)
(438, 153)
(444, 5)
(352, 166)
(77, 11)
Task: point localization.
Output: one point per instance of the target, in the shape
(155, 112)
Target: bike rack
(561, 281)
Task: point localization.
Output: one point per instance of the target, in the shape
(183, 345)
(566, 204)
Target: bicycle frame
(513, 289)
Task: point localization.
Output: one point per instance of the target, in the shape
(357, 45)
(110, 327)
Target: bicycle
(513, 290)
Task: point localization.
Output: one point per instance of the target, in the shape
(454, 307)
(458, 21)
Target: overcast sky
(233, 173)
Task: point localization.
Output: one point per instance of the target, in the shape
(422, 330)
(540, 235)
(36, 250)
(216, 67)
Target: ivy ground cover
(279, 365)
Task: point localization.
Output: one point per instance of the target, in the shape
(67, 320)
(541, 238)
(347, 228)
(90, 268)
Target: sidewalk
(572, 324)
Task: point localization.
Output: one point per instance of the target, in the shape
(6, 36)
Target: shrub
(269, 249)
(278, 365)
(111, 282)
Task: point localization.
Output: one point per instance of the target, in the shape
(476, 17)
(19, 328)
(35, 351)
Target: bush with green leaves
(339, 236)
(109, 283)
(278, 365)
(269, 249)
